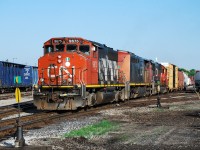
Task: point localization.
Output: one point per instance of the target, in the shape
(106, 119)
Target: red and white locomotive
(74, 72)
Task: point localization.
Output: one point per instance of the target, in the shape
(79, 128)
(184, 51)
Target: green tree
(192, 72)
(189, 73)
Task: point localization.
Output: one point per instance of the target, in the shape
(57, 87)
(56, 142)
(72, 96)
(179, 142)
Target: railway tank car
(74, 72)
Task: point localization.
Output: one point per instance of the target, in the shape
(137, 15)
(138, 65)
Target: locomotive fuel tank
(105, 96)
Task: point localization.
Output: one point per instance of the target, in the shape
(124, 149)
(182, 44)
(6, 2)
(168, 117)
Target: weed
(96, 129)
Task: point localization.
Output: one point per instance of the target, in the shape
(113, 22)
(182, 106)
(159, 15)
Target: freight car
(74, 72)
(10, 72)
(172, 76)
(180, 80)
(197, 80)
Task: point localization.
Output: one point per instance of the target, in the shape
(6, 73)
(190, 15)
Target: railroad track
(12, 95)
(13, 109)
(47, 118)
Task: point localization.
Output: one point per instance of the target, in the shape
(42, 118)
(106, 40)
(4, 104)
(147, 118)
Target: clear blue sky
(165, 29)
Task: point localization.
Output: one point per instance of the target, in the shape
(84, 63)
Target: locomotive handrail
(81, 76)
(50, 77)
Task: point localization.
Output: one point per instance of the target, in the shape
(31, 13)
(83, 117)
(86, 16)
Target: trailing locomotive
(74, 72)
(27, 76)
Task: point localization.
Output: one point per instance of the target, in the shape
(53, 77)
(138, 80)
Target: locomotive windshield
(48, 49)
(85, 49)
(60, 48)
(71, 47)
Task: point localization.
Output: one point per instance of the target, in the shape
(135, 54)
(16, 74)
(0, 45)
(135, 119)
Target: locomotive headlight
(59, 56)
(69, 80)
(67, 64)
(59, 60)
(41, 80)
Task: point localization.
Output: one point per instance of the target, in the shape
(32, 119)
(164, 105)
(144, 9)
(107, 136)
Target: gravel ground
(53, 131)
(174, 126)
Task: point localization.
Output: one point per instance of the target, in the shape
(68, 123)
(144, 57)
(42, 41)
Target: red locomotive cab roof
(67, 44)
(65, 40)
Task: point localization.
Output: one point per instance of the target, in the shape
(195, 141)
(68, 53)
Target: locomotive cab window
(60, 48)
(48, 49)
(71, 47)
(85, 49)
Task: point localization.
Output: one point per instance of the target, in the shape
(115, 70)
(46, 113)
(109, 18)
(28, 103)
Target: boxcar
(180, 80)
(172, 76)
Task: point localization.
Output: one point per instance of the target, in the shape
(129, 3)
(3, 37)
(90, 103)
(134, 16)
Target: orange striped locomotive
(74, 72)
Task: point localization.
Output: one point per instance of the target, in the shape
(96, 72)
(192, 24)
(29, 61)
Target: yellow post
(17, 95)
(17, 92)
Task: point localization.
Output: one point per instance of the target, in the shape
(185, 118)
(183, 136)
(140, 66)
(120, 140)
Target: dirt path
(175, 127)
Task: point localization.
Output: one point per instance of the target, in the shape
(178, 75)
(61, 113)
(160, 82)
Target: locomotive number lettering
(73, 41)
(57, 41)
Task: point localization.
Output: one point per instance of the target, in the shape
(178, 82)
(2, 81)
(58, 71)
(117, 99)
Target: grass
(96, 129)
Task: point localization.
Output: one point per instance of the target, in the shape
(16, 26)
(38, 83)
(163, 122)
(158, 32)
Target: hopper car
(14, 75)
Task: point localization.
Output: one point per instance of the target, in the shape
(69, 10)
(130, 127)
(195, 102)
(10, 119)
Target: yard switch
(19, 141)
